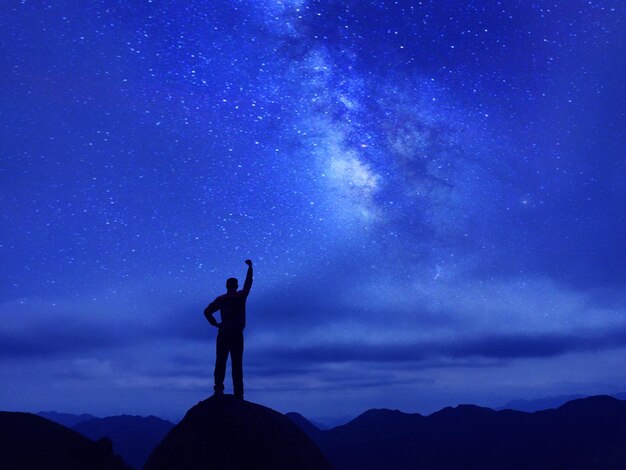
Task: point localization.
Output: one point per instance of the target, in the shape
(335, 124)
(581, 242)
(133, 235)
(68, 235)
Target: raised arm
(210, 310)
(248, 284)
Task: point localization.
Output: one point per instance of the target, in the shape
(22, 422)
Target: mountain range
(582, 433)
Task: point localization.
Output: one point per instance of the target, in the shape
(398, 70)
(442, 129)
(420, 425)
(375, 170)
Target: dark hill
(230, 434)
(585, 433)
(28, 441)
(134, 437)
(375, 423)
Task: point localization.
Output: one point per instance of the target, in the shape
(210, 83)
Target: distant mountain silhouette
(329, 422)
(28, 442)
(311, 430)
(134, 437)
(66, 419)
(547, 403)
(323, 425)
(539, 404)
(584, 433)
(230, 434)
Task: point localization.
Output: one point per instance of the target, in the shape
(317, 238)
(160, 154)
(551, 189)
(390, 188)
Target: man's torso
(233, 310)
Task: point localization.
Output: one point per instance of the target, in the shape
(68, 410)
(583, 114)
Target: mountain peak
(381, 415)
(227, 433)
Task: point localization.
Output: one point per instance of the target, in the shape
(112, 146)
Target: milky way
(432, 193)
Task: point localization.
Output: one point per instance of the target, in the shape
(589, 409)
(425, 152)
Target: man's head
(231, 284)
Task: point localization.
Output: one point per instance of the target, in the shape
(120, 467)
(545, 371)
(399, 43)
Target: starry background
(432, 193)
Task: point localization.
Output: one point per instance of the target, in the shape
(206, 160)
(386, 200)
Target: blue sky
(432, 194)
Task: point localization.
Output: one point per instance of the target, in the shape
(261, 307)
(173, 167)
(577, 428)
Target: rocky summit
(230, 434)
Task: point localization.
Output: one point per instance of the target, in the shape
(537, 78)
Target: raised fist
(249, 262)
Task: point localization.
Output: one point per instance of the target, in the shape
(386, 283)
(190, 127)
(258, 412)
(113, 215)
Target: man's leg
(221, 355)
(236, 357)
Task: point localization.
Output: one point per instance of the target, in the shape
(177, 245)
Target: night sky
(433, 194)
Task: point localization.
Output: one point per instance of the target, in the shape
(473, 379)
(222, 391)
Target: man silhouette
(232, 307)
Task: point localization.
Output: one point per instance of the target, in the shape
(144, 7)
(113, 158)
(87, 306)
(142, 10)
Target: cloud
(499, 347)
(48, 341)
(39, 328)
(403, 302)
